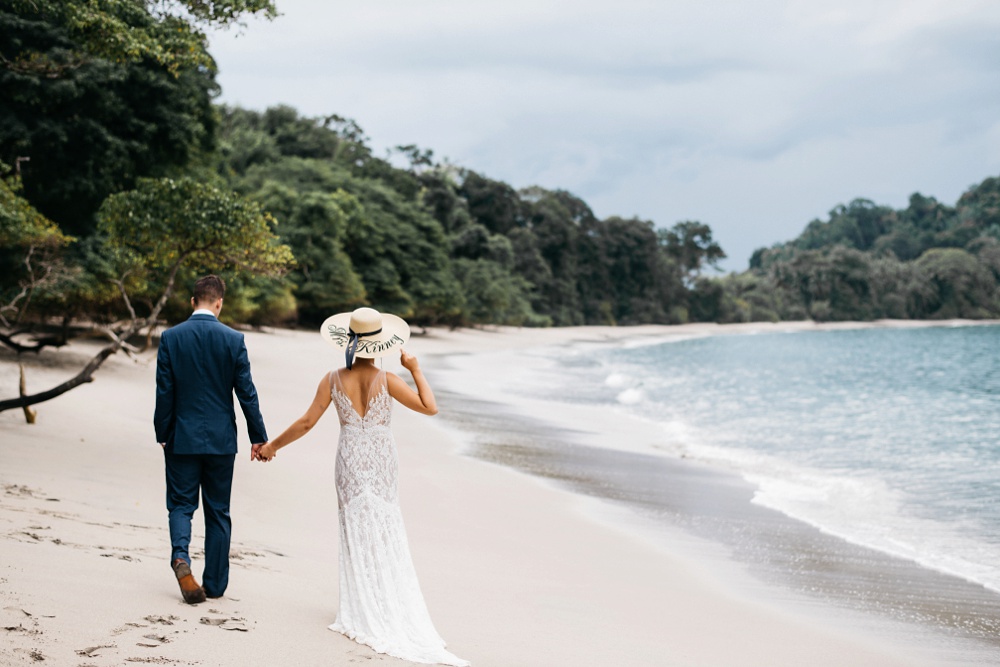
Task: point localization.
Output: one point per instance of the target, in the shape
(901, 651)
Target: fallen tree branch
(84, 376)
(47, 341)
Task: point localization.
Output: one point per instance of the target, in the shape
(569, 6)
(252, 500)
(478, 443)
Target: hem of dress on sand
(378, 647)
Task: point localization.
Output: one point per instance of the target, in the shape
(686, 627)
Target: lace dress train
(380, 600)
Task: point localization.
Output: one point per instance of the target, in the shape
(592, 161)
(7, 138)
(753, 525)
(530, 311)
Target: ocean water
(887, 438)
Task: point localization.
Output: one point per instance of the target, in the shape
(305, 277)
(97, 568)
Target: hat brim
(394, 335)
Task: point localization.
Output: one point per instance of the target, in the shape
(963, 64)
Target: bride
(380, 600)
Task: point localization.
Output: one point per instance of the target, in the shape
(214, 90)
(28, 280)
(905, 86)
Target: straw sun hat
(365, 333)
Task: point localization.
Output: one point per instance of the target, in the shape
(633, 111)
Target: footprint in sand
(159, 638)
(161, 620)
(22, 633)
(153, 641)
(14, 619)
(163, 631)
(236, 623)
(22, 491)
(164, 626)
(26, 499)
(232, 623)
(93, 651)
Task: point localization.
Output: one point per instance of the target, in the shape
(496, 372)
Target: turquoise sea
(887, 438)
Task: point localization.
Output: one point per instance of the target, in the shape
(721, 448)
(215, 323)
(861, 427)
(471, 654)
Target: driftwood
(37, 345)
(84, 376)
(29, 414)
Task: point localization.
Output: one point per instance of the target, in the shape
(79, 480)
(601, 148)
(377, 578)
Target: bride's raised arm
(421, 400)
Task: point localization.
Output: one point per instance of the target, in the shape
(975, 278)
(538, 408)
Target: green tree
(554, 220)
(963, 286)
(691, 246)
(97, 127)
(980, 205)
(396, 247)
(628, 275)
(152, 233)
(744, 297)
(31, 249)
(833, 284)
(493, 204)
(168, 32)
(857, 225)
(314, 225)
(493, 295)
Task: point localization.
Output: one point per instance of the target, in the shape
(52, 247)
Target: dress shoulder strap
(376, 385)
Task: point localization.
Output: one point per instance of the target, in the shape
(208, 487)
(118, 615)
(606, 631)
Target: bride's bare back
(358, 385)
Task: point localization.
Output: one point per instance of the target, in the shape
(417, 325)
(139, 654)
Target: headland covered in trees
(122, 179)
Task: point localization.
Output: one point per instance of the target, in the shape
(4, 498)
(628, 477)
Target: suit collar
(203, 317)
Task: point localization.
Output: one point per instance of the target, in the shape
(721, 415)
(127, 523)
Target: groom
(200, 363)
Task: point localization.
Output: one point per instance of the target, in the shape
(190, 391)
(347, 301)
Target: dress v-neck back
(374, 390)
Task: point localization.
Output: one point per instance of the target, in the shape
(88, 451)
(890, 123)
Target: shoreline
(707, 513)
(515, 571)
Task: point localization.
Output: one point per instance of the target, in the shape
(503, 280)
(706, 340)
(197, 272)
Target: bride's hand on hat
(409, 361)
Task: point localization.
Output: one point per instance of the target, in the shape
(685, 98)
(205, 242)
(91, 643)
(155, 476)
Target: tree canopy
(167, 32)
(866, 261)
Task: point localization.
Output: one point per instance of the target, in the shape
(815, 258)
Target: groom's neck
(214, 307)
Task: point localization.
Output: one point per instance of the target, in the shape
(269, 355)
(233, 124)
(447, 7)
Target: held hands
(262, 451)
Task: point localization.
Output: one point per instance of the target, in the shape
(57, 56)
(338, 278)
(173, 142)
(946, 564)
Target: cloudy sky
(754, 116)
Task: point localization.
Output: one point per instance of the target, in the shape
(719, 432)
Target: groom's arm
(246, 394)
(163, 415)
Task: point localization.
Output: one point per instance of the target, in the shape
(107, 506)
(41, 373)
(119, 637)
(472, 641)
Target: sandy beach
(516, 571)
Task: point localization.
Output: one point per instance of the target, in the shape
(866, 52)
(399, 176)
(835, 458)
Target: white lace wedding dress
(380, 600)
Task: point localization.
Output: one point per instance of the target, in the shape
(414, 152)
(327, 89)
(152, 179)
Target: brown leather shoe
(191, 591)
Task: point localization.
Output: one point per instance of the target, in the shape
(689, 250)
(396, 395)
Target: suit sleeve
(163, 415)
(246, 394)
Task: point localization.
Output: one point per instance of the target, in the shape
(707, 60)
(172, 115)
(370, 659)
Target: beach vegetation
(145, 238)
(169, 33)
(927, 261)
(32, 252)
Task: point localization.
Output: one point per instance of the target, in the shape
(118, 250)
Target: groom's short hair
(208, 289)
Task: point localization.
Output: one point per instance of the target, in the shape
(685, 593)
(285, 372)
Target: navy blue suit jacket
(200, 363)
